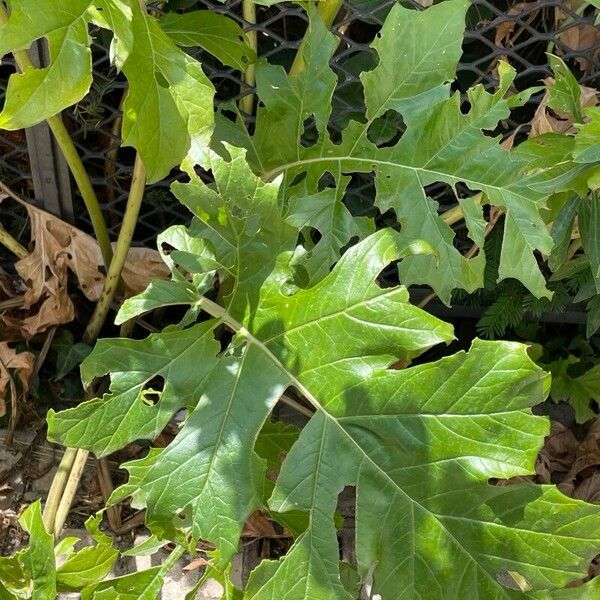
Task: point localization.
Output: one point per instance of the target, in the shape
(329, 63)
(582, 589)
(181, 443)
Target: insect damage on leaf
(420, 444)
(418, 53)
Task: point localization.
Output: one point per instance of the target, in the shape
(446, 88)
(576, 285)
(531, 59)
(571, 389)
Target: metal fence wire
(520, 32)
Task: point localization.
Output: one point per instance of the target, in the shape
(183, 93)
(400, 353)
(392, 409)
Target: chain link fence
(520, 32)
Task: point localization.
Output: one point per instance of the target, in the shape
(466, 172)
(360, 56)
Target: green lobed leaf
(135, 407)
(91, 564)
(32, 572)
(216, 33)
(564, 94)
(186, 253)
(442, 142)
(168, 112)
(37, 561)
(579, 391)
(69, 353)
(420, 445)
(37, 94)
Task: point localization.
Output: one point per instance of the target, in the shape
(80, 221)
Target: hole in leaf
(386, 131)
(388, 278)
(345, 516)
(309, 135)
(160, 79)
(298, 179)
(152, 391)
(326, 180)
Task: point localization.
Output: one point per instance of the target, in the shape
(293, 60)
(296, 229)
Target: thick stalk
(57, 488)
(65, 484)
(327, 10)
(134, 201)
(67, 147)
(249, 13)
(66, 498)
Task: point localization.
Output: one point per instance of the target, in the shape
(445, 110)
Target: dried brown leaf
(559, 451)
(142, 265)
(583, 479)
(259, 526)
(20, 364)
(197, 563)
(507, 27)
(60, 249)
(583, 38)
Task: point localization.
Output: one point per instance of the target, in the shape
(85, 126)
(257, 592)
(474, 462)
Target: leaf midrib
(268, 175)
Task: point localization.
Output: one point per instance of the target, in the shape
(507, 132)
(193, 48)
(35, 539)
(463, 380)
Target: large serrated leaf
(444, 141)
(420, 444)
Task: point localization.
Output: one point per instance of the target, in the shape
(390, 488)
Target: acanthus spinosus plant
(274, 314)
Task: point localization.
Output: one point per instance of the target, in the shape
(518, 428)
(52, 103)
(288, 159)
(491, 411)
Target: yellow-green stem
(327, 10)
(64, 485)
(66, 498)
(455, 214)
(57, 488)
(8, 241)
(249, 12)
(113, 276)
(67, 147)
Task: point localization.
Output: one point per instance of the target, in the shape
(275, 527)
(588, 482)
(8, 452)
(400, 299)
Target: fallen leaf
(60, 249)
(558, 453)
(142, 265)
(546, 120)
(259, 526)
(197, 563)
(526, 12)
(581, 37)
(588, 489)
(21, 363)
(583, 479)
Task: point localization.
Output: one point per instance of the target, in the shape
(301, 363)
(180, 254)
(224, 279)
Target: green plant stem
(113, 276)
(57, 488)
(8, 241)
(455, 214)
(327, 10)
(246, 103)
(70, 489)
(67, 147)
(64, 485)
